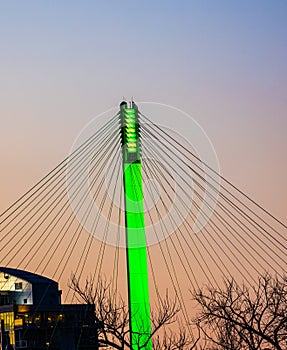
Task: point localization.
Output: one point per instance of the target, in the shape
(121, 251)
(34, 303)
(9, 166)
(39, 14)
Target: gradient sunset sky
(221, 61)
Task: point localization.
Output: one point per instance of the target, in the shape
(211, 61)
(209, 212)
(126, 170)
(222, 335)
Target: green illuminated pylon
(137, 270)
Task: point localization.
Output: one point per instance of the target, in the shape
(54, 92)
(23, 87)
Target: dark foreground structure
(33, 318)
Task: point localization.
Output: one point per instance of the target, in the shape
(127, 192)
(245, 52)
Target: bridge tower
(136, 251)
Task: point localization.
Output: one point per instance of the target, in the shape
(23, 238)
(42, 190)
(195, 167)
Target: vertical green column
(137, 270)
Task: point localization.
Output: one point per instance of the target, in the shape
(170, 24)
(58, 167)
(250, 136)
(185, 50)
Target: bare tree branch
(113, 316)
(237, 317)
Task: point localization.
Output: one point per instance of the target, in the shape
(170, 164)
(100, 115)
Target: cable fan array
(200, 228)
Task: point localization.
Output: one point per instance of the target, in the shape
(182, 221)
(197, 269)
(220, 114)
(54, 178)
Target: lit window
(18, 286)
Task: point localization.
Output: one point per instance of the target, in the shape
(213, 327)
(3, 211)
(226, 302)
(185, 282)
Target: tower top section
(130, 132)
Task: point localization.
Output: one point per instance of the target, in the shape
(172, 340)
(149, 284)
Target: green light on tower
(137, 270)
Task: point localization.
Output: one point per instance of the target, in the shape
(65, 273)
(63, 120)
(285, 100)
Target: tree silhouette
(237, 317)
(112, 316)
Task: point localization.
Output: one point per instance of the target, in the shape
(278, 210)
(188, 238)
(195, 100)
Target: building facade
(33, 318)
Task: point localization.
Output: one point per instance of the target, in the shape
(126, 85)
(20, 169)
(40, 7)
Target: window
(18, 286)
(25, 301)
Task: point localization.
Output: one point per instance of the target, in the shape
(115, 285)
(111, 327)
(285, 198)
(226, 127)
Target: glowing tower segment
(137, 270)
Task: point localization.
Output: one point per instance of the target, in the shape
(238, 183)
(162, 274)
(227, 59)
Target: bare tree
(171, 340)
(238, 317)
(111, 313)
